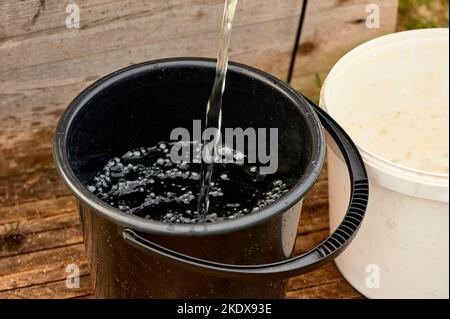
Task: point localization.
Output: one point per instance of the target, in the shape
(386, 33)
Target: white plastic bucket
(392, 96)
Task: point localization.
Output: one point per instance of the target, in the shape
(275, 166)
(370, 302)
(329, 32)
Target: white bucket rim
(378, 162)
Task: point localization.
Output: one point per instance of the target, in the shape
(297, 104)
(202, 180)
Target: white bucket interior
(398, 109)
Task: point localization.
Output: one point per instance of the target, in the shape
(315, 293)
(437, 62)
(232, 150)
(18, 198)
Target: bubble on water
(111, 163)
(238, 156)
(226, 152)
(195, 175)
(277, 182)
(215, 193)
(135, 184)
(183, 165)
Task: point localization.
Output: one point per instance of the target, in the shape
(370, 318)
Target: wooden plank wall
(331, 29)
(43, 64)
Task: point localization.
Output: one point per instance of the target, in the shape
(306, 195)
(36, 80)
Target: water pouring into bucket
(161, 182)
(111, 134)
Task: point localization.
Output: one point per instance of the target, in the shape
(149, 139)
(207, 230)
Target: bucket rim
(86, 198)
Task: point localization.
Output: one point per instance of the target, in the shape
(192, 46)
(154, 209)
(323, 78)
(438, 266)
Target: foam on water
(146, 183)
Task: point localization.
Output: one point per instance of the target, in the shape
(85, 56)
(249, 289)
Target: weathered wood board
(331, 29)
(43, 64)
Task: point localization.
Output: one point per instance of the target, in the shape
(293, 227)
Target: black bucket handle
(319, 255)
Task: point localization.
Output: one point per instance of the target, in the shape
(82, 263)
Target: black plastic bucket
(132, 257)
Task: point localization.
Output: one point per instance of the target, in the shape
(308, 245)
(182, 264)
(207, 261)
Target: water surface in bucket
(146, 183)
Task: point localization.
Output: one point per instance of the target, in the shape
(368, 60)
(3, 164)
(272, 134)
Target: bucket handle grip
(329, 249)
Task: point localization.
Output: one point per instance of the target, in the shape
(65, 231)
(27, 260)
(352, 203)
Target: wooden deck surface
(40, 232)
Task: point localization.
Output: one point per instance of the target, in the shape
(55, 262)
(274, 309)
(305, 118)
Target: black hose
(297, 40)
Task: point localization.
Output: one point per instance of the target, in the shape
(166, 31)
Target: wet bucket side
(121, 271)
